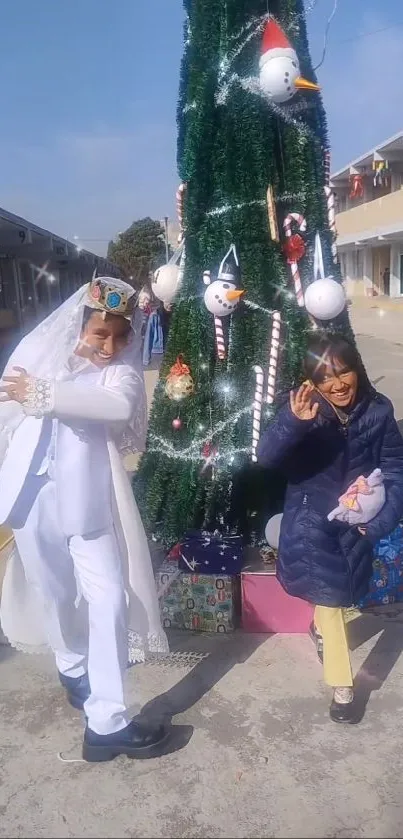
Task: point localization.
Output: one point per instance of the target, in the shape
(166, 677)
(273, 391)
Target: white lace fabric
(40, 396)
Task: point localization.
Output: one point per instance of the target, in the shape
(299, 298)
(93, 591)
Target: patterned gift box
(198, 602)
(386, 584)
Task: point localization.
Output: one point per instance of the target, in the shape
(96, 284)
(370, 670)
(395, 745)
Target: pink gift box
(266, 607)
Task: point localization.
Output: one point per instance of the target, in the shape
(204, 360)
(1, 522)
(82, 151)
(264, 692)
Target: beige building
(369, 205)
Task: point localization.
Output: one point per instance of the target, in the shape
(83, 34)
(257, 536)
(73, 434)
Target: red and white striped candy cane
(219, 338)
(273, 358)
(287, 224)
(257, 411)
(326, 163)
(331, 212)
(180, 198)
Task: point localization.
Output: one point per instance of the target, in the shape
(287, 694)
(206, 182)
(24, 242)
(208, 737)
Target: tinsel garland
(232, 144)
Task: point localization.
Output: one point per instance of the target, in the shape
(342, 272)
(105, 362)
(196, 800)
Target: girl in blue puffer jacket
(333, 429)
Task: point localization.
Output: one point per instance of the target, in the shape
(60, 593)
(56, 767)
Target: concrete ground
(253, 752)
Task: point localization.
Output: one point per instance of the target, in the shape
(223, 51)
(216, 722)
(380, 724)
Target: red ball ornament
(177, 424)
(294, 248)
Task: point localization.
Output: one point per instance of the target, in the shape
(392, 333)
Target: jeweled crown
(108, 297)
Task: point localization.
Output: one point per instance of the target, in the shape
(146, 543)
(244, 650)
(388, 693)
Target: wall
(381, 213)
(372, 263)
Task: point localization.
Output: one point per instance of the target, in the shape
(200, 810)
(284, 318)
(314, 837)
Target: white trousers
(93, 634)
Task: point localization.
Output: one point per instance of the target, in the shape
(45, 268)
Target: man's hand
(301, 402)
(17, 387)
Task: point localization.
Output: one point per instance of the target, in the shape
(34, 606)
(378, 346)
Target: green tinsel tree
(233, 143)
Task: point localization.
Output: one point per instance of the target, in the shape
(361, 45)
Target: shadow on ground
(213, 657)
(383, 655)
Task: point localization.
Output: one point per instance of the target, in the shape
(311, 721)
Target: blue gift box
(386, 584)
(211, 553)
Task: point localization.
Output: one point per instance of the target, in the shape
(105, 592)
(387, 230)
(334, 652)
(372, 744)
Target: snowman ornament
(280, 75)
(222, 296)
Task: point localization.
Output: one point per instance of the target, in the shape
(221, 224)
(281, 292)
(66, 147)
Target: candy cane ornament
(180, 200)
(257, 411)
(326, 165)
(218, 327)
(287, 224)
(273, 358)
(331, 212)
(219, 338)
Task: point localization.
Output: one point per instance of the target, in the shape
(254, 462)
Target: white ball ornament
(325, 299)
(166, 282)
(272, 532)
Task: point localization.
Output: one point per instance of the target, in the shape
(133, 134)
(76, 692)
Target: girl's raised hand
(301, 402)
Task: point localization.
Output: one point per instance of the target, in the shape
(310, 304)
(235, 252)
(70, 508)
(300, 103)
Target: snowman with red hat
(280, 75)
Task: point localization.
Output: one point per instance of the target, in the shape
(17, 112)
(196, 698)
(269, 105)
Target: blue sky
(88, 110)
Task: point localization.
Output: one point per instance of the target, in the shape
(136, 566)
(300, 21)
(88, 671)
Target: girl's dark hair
(323, 350)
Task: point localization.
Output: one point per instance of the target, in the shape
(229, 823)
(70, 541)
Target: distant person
(81, 579)
(334, 429)
(166, 320)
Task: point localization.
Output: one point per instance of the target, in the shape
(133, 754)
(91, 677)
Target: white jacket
(112, 403)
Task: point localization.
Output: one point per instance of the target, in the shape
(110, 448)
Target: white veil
(45, 351)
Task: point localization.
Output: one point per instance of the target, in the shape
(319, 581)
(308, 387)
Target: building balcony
(372, 221)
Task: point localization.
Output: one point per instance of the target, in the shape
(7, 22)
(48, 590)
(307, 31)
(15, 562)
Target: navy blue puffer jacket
(330, 563)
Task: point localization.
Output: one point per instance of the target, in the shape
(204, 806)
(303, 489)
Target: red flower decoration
(209, 450)
(294, 248)
(356, 186)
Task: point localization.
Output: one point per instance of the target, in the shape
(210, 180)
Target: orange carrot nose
(303, 84)
(235, 295)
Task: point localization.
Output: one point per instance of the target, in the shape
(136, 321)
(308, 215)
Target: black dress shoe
(78, 690)
(343, 712)
(134, 741)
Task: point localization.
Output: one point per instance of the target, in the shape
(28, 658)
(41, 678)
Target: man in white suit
(81, 571)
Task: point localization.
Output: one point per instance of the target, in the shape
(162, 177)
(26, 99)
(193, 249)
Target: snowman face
(216, 298)
(278, 76)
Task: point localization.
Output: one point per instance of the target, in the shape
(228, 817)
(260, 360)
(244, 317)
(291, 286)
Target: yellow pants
(331, 625)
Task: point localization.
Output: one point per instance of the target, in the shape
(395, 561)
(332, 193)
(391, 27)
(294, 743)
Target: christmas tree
(253, 158)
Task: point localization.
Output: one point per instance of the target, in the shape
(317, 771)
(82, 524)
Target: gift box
(266, 607)
(199, 602)
(386, 585)
(211, 553)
